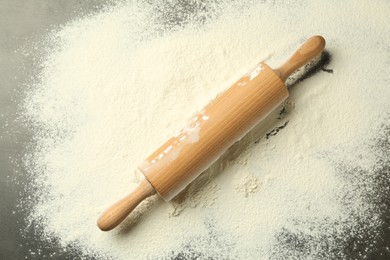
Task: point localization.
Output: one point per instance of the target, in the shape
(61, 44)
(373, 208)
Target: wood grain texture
(115, 214)
(211, 132)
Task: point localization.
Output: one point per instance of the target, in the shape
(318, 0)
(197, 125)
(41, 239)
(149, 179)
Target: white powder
(116, 85)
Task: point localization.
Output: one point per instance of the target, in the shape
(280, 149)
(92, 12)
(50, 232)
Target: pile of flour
(115, 85)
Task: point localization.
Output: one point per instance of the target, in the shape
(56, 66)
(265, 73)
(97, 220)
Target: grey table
(21, 20)
(27, 19)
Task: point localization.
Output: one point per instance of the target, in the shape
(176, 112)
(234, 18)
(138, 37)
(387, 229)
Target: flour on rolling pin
(224, 121)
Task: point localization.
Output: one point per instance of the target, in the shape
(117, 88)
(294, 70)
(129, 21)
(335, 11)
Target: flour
(114, 86)
(248, 186)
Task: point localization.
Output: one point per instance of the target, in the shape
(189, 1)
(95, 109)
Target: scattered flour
(115, 85)
(249, 185)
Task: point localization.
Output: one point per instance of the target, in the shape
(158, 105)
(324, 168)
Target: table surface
(21, 20)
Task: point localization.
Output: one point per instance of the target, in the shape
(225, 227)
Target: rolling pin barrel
(211, 132)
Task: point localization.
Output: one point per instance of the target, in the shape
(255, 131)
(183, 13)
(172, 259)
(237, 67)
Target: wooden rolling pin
(211, 132)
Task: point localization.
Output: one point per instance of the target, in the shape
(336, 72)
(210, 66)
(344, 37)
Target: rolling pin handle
(120, 210)
(308, 50)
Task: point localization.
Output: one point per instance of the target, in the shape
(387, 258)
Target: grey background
(26, 21)
(22, 21)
